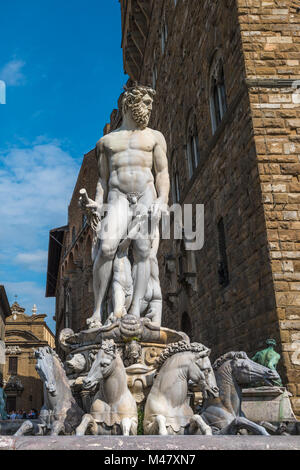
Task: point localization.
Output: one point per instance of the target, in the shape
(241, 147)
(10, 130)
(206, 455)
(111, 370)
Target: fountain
(125, 374)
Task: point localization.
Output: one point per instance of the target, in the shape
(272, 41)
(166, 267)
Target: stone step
(170, 444)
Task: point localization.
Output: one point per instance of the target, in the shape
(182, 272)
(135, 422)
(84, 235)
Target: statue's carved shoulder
(159, 139)
(100, 144)
(113, 142)
(99, 149)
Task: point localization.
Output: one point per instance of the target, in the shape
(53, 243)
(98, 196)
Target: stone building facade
(23, 333)
(4, 313)
(225, 74)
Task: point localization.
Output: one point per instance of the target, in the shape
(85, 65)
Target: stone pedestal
(270, 404)
(139, 344)
(171, 444)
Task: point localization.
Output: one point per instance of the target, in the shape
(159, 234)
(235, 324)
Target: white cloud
(12, 73)
(25, 291)
(36, 184)
(36, 261)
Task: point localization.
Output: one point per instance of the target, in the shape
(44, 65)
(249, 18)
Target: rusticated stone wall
(242, 314)
(247, 173)
(271, 41)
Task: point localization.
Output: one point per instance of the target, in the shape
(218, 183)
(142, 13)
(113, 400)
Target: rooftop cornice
(135, 28)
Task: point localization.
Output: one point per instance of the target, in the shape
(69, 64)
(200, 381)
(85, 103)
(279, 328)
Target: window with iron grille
(186, 325)
(164, 36)
(12, 365)
(192, 149)
(223, 262)
(175, 186)
(154, 70)
(218, 100)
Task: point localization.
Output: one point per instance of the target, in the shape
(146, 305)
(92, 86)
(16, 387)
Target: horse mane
(229, 357)
(109, 347)
(52, 353)
(180, 346)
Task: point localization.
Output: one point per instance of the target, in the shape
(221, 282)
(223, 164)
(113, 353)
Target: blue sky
(62, 65)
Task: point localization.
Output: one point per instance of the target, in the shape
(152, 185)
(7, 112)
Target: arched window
(13, 365)
(164, 36)
(154, 76)
(192, 145)
(181, 260)
(175, 187)
(218, 100)
(223, 263)
(175, 180)
(154, 71)
(67, 319)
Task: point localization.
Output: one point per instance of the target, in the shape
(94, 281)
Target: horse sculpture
(114, 410)
(224, 414)
(167, 410)
(60, 413)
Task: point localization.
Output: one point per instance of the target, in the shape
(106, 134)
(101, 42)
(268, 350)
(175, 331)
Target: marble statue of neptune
(133, 186)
